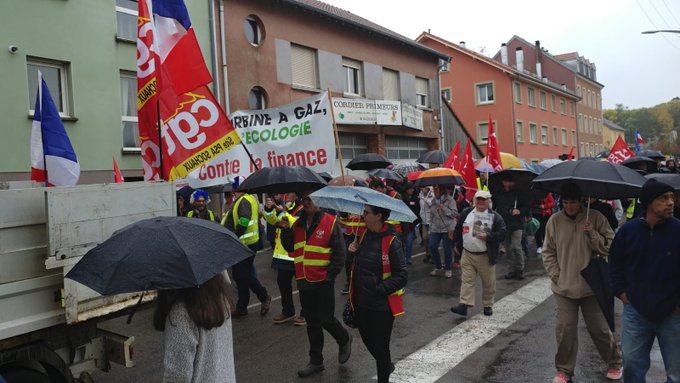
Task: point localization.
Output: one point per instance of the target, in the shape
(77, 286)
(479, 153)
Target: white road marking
(440, 356)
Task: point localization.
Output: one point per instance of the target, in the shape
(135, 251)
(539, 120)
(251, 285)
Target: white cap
(482, 194)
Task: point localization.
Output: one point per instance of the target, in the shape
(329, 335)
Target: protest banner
(299, 134)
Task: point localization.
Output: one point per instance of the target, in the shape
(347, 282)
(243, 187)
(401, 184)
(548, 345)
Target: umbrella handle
(133, 310)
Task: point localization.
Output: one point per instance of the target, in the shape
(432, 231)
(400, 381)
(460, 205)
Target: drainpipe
(213, 51)
(223, 44)
(440, 66)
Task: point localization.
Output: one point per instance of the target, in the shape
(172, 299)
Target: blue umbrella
(352, 200)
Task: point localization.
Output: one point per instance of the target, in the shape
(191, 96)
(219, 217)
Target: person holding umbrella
(443, 213)
(243, 219)
(644, 268)
(514, 208)
(318, 251)
(572, 238)
(378, 278)
(197, 337)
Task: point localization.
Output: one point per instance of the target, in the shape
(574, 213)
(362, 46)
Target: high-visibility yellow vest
(272, 218)
(630, 211)
(252, 234)
(313, 255)
(210, 214)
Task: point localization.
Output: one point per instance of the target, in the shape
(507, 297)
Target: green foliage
(655, 124)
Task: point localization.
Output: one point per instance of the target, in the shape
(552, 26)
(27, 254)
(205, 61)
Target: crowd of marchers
(371, 254)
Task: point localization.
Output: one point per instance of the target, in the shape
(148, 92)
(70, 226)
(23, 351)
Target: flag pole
(337, 137)
(160, 136)
(249, 155)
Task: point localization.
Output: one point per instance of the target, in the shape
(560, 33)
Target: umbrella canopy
(433, 157)
(386, 174)
(326, 176)
(653, 154)
(670, 179)
(522, 177)
(439, 176)
(597, 277)
(368, 161)
(348, 180)
(413, 176)
(352, 200)
(404, 169)
(631, 162)
(508, 160)
(162, 253)
(550, 162)
(282, 179)
(597, 179)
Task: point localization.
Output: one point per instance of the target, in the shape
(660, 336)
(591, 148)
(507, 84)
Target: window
(563, 107)
(445, 65)
(519, 131)
(578, 90)
(303, 66)
(564, 137)
(552, 103)
(531, 97)
(485, 93)
(573, 138)
(532, 133)
(128, 103)
(405, 148)
(352, 76)
(422, 92)
(54, 74)
(126, 20)
(446, 93)
(252, 27)
(588, 149)
(544, 135)
(390, 85)
(483, 131)
(579, 122)
(555, 135)
(542, 100)
(588, 98)
(351, 145)
(581, 153)
(571, 108)
(257, 99)
(517, 87)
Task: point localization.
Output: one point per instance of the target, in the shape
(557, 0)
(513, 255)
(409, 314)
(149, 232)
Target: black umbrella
(162, 253)
(404, 169)
(653, 154)
(632, 161)
(433, 157)
(597, 179)
(670, 179)
(522, 177)
(386, 174)
(597, 276)
(283, 179)
(326, 176)
(368, 161)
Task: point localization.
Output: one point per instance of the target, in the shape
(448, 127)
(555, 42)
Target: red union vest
(354, 225)
(313, 255)
(396, 299)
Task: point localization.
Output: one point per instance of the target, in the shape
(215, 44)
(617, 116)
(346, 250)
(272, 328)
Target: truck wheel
(23, 375)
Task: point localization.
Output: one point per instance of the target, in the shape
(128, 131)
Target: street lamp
(663, 30)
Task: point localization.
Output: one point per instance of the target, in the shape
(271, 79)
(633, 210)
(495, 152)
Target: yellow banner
(216, 148)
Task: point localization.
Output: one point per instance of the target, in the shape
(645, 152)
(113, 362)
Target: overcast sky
(636, 70)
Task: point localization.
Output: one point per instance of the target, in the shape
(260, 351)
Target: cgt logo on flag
(53, 160)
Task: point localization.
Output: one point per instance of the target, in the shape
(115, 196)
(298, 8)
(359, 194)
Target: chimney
(538, 70)
(462, 44)
(504, 53)
(564, 87)
(545, 79)
(519, 57)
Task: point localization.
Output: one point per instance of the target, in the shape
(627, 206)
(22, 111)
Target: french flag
(638, 141)
(53, 160)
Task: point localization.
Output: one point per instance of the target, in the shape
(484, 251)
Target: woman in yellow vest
(379, 257)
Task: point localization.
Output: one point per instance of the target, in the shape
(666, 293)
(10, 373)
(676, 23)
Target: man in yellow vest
(244, 220)
(283, 216)
(319, 256)
(199, 201)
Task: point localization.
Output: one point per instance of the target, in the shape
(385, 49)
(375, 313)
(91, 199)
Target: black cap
(651, 190)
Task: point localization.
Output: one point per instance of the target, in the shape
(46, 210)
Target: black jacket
(504, 203)
(494, 240)
(369, 289)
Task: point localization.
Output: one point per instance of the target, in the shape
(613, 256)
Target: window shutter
(304, 66)
(390, 85)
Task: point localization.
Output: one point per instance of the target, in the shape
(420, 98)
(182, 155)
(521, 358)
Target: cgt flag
(467, 169)
(493, 152)
(453, 162)
(53, 160)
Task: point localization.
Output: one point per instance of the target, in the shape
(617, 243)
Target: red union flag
(171, 83)
(493, 153)
(620, 152)
(467, 169)
(453, 162)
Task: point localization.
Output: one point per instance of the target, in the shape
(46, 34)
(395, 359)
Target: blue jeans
(637, 338)
(408, 245)
(435, 238)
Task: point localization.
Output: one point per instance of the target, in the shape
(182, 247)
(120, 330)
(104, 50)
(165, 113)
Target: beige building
(610, 133)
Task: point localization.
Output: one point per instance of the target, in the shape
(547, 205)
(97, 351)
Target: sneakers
(456, 265)
(615, 373)
(239, 312)
(310, 369)
(283, 318)
(488, 311)
(266, 304)
(539, 250)
(561, 377)
(461, 309)
(448, 274)
(436, 272)
(345, 290)
(345, 350)
(300, 321)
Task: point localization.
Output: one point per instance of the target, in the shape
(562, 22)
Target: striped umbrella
(405, 169)
(439, 176)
